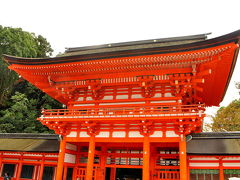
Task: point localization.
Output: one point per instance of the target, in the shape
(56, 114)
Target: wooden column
(146, 158)
(41, 168)
(19, 169)
(103, 163)
(65, 173)
(91, 152)
(112, 173)
(61, 156)
(188, 169)
(183, 158)
(1, 165)
(113, 170)
(153, 160)
(221, 170)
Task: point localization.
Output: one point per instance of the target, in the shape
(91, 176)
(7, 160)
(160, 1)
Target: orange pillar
(103, 163)
(146, 158)
(221, 170)
(153, 160)
(65, 173)
(41, 168)
(19, 169)
(1, 162)
(183, 158)
(61, 160)
(113, 174)
(188, 170)
(91, 152)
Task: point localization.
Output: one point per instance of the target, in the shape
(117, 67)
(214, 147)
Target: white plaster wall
(14, 154)
(122, 97)
(72, 134)
(107, 97)
(134, 134)
(170, 101)
(51, 155)
(171, 134)
(89, 98)
(203, 164)
(204, 158)
(157, 95)
(157, 134)
(70, 158)
(119, 134)
(168, 95)
(84, 104)
(35, 155)
(83, 134)
(136, 96)
(70, 146)
(103, 134)
(231, 158)
(231, 164)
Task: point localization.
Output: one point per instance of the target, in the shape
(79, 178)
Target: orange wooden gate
(166, 175)
(80, 173)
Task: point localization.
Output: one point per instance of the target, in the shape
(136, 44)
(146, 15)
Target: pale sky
(74, 23)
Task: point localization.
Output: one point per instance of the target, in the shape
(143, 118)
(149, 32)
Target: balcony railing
(126, 112)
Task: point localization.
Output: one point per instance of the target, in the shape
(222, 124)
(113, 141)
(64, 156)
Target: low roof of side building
(224, 143)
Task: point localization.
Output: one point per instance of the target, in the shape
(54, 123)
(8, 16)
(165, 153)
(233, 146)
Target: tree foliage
(16, 42)
(227, 118)
(21, 102)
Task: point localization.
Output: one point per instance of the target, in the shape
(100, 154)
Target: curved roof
(127, 51)
(58, 74)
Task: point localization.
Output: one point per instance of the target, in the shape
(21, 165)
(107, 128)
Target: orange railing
(146, 111)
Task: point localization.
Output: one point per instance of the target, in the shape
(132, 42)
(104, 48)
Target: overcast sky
(73, 23)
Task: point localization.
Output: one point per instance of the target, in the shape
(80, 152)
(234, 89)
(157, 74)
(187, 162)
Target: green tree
(21, 102)
(21, 116)
(227, 118)
(16, 42)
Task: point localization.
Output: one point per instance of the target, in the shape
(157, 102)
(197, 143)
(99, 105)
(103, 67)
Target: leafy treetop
(16, 42)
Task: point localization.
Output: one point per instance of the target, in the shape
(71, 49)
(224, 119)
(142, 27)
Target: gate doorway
(128, 174)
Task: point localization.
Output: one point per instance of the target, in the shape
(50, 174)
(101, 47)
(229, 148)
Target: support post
(221, 170)
(112, 173)
(1, 166)
(61, 160)
(91, 152)
(146, 158)
(42, 167)
(19, 169)
(188, 170)
(183, 157)
(102, 172)
(65, 173)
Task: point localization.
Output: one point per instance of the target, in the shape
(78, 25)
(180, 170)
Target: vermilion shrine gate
(130, 106)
